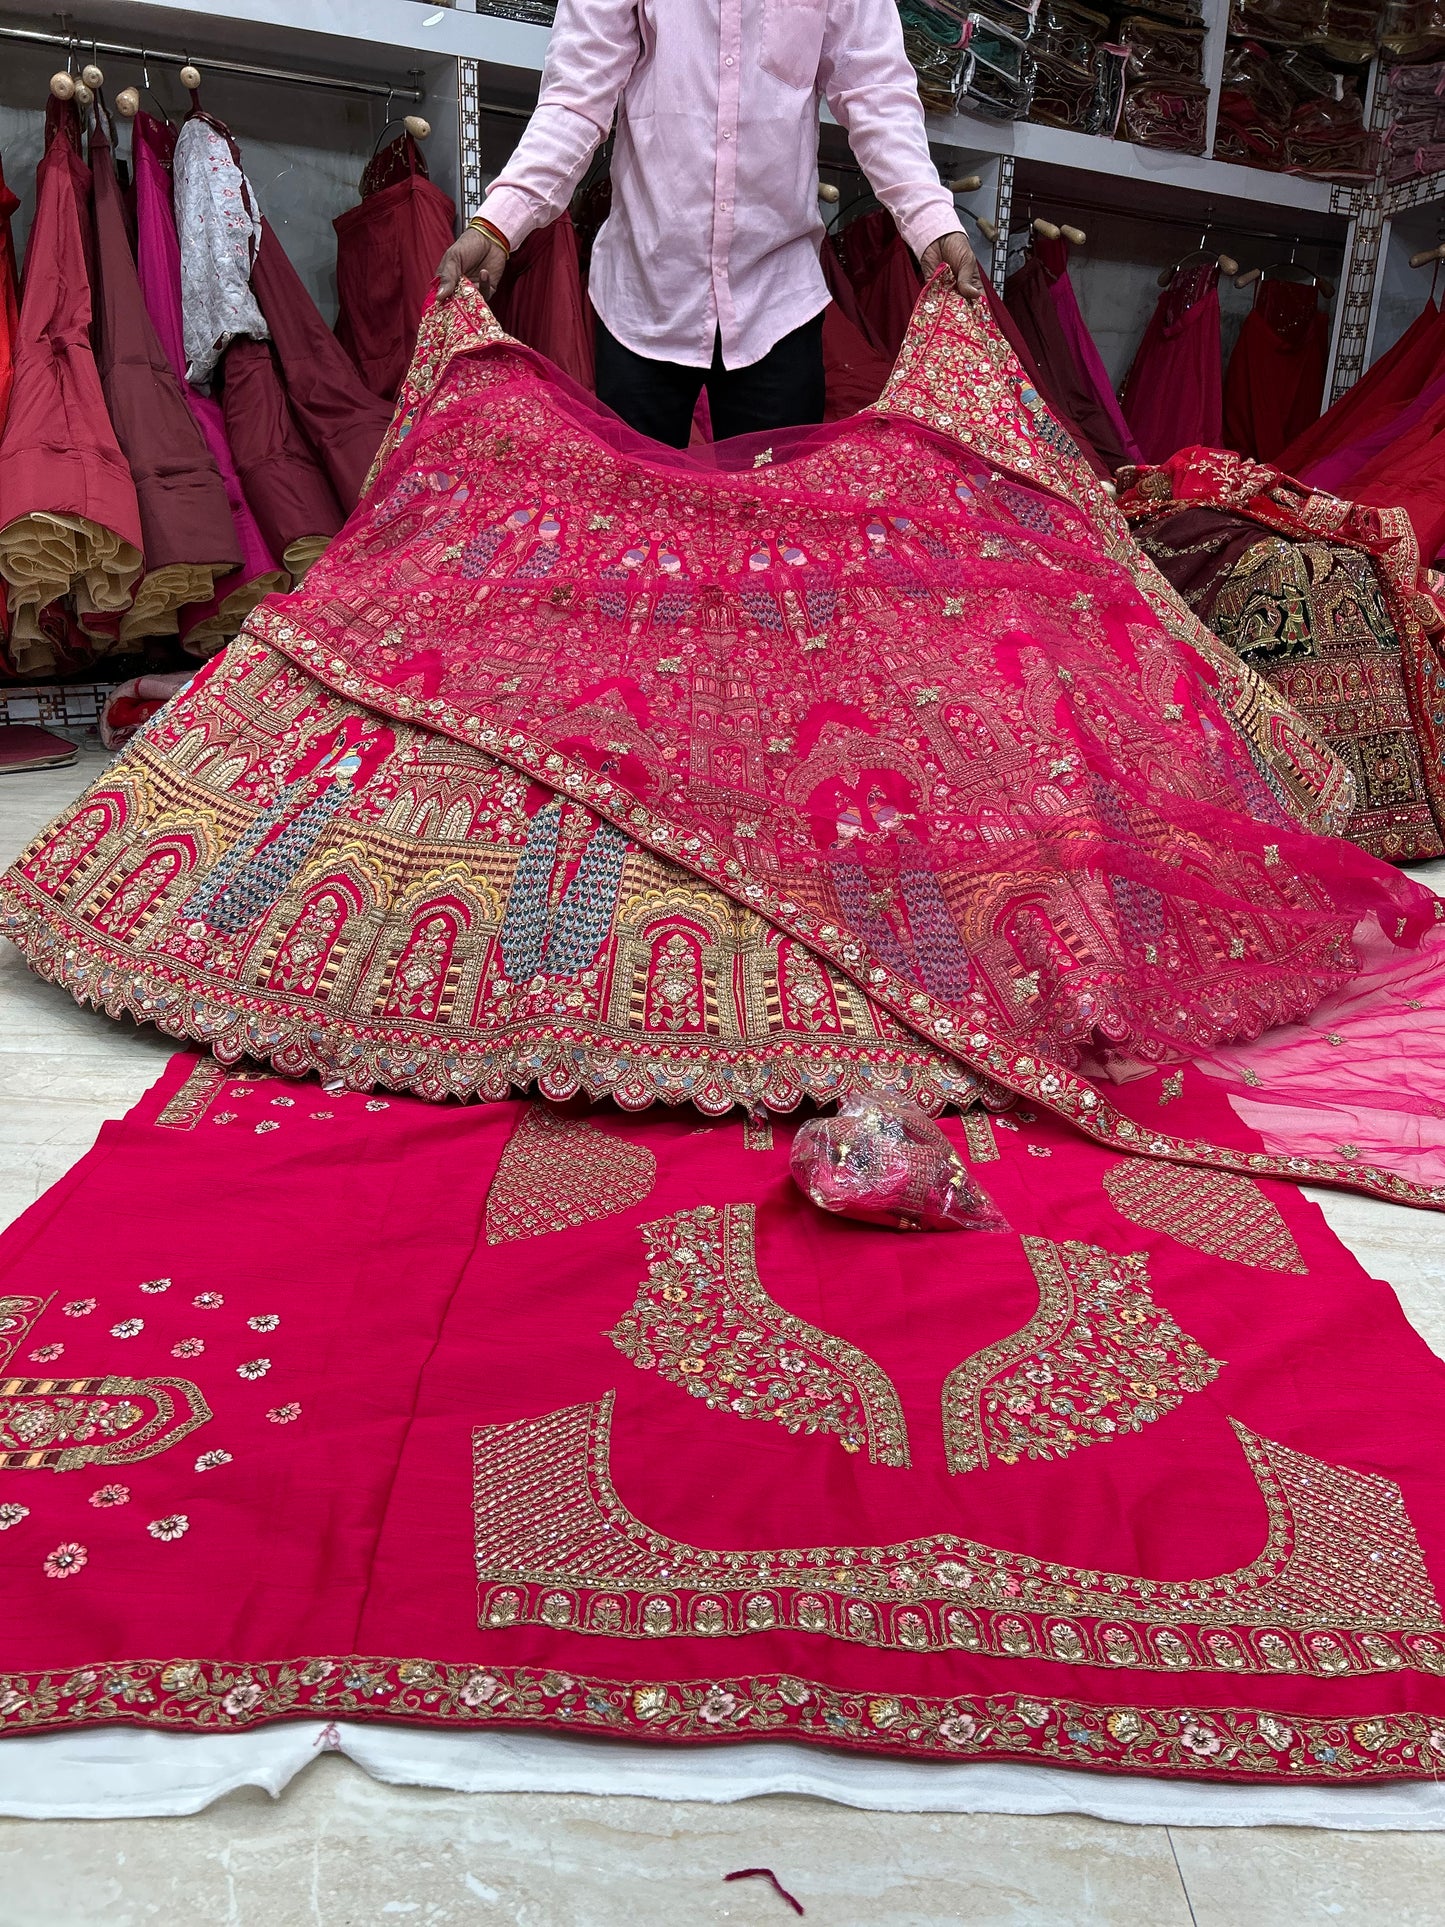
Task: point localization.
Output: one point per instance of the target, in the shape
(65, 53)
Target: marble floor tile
(339, 1850)
(1284, 1877)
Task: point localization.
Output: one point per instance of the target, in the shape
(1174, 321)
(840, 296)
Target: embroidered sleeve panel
(1340, 1586)
(1098, 1359)
(1214, 1211)
(704, 1321)
(558, 1172)
(59, 1425)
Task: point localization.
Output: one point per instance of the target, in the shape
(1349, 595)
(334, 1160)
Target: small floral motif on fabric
(174, 1526)
(188, 1348)
(254, 1368)
(109, 1495)
(11, 1514)
(79, 1307)
(1099, 1359)
(65, 1561)
(156, 1285)
(284, 1414)
(208, 1301)
(208, 1461)
(704, 1321)
(264, 1322)
(128, 1328)
(558, 1172)
(47, 1354)
(1212, 1211)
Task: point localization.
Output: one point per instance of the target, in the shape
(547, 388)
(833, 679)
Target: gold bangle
(484, 226)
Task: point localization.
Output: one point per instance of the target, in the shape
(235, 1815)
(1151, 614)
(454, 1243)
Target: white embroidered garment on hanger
(219, 224)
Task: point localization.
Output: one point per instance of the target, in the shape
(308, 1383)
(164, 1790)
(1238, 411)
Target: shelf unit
(476, 75)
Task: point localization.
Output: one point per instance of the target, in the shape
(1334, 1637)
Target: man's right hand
(475, 257)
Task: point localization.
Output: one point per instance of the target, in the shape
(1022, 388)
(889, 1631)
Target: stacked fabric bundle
(1285, 110)
(1415, 143)
(184, 433)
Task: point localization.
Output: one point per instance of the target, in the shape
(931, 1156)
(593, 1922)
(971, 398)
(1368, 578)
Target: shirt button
(726, 135)
(727, 60)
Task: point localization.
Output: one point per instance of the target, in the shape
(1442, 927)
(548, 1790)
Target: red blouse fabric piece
(1276, 374)
(185, 516)
(542, 301)
(1173, 397)
(387, 250)
(1380, 393)
(338, 414)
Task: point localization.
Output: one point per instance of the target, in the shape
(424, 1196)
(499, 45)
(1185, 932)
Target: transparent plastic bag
(887, 1163)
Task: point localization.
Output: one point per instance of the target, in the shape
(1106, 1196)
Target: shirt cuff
(511, 212)
(928, 223)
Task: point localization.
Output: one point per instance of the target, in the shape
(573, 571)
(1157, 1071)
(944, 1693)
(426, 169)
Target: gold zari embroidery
(704, 1321)
(1214, 1211)
(558, 1172)
(1098, 1359)
(58, 1425)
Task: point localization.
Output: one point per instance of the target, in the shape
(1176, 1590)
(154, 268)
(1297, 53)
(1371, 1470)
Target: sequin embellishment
(558, 1172)
(1214, 1211)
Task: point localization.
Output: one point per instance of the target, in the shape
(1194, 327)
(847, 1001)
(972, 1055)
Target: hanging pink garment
(541, 301)
(158, 261)
(1174, 397)
(9, 297)
(1389, 385)
(335, 410)
(1081, 344)
(1340, 471)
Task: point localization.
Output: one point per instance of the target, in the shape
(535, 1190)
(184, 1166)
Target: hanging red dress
(1013, 335)
(1055, 257)
(188, 537)
(542, 302)
(1174, 395)
(339, 415)
(9, 296)
(203, 626)
(287, 488)
(69, 520)
(1394, 380)
(882, 273)
(1276, 375)
(1028, 296)
(387, 251)
(1410, 473)
(854, 367)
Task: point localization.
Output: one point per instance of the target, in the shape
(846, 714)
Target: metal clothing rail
(1187, 223)
(80, 42)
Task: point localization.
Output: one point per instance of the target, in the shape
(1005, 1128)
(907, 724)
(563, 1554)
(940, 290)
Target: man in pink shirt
(706, 272)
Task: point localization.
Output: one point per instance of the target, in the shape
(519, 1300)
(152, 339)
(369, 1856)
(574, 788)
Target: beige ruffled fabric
(44, 557)
(223, 627)
(160, 597)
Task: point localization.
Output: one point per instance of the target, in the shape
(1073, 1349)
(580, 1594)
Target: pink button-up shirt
(714, 227)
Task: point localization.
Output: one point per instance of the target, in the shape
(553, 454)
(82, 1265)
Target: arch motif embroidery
(1216, 1212)
(19, 1313)
(557, 1172)
(58, 1425)
(704, 1321)
(1098, 1359)
(1339, 1588)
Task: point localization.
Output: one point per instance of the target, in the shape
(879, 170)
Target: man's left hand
(954, 249)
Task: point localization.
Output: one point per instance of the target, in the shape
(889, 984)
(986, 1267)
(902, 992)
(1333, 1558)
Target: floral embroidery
(705, 1322)
(264, 1322)
(1171, 1087)
(108, 1495)
(979, 1138)
(377, 1104)
(254, 1368)
(174, 1526)
(286, 1103)
(208, 1301)
(79, 1307)
(1339, 1588)
(19, 1314)
(1097, 1360)
(267, 1124)
(128, 1328)
(188, 1348)
(208, 1461)
(1038, 1150)
(65, 1561)
(154, 1285)
(284, 1414)
(56, 1425)
(557, 1172)
(47, 1354)
(758, 1132)
(11, 1514)
(1214, 1211)
(225, 1117)
(184, 1111)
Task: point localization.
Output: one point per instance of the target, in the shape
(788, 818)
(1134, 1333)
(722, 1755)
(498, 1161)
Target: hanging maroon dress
(293, 502)
(854, 366)
(1276, 376)
(188, 536)
(9, 296)
(1381, 392)
(387, 251)
(1028, 296)
(541, 301)
(69, 520)
(1174, 395)
(339, 415)
(883, 276)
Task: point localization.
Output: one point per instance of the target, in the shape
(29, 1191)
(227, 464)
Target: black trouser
(657, 398)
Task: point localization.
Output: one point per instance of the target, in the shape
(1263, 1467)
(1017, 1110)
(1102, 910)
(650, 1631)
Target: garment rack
(80, 41)
(1187, 222)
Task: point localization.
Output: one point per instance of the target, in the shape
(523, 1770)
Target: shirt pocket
(792, 49)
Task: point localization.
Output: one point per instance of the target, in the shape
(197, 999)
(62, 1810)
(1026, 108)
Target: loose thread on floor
(766, 1873)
